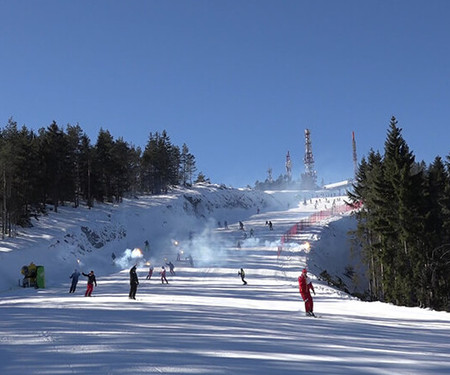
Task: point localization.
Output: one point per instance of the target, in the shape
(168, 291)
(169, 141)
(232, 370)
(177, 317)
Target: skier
(163, 276)
(90, 283)
(305, 285)
(241, 273)
(171, 267)
(150, 273)
(134, 282)
(75, 275)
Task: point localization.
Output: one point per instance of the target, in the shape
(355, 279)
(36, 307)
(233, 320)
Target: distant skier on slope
(75, 275)
(171, 267)
(305, 285)
(163, 275)
(150, 273)
(241, 273)
(134, 282)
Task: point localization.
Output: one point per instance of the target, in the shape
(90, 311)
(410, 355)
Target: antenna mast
(288, 166)
(309, 177)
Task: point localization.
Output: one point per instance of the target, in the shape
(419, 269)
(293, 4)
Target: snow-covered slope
(204, 321)
(88, 237)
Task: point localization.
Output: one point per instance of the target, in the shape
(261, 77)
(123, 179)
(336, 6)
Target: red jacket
(304, 284)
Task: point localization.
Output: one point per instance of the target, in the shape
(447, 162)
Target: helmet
(304, 270)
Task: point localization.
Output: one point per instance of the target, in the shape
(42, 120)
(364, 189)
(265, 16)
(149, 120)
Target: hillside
(204, 321)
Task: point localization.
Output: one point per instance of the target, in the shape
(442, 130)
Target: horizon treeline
(57, 166)
(404, 224)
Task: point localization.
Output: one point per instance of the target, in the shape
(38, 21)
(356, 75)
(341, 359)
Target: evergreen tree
(74, 136)
(57, 167)
(55, 164)
(18, 177)
(434, 274)
(402, 225)
(85, 169)
(102, 167)
(120, 173)
(201, 178)
(187, 165)
(160, 163)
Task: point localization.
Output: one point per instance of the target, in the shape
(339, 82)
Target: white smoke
(207, 248)
(129, 258)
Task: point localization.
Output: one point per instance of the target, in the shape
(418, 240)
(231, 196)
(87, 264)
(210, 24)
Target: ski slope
(204, 321)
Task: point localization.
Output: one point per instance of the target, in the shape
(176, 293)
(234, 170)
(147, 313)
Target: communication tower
(288, 167)
(309, 178)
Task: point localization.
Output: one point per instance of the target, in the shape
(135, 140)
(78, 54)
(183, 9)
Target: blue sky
(237, 81)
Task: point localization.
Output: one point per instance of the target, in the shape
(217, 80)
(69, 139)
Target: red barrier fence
(313, 219)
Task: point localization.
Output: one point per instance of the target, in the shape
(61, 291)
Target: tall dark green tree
(160, 163)
(19, 175)
(102, 167)
(74, 159)
(55, 165)
(435, 282)
(120, 174)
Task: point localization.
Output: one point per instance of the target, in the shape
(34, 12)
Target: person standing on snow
(74, 278)
(171, 267)
(241, 273)
(134, 282)
(90, 283)
(305, 285)
(163, 276)
(150, 273)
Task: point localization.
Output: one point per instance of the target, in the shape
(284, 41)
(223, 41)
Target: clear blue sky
(237, 81)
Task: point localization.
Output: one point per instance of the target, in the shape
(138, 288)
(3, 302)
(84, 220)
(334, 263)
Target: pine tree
(187, 165)
(55, 164)
(160, 163)
(435, 281)
(102, 167)
(365, 191)
(402, 191)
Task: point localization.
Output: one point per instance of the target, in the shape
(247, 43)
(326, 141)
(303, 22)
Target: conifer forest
(404, 224)
(60, 166)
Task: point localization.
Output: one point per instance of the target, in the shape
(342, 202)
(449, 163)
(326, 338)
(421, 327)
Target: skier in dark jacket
(74, 278)
(90, 283)
(134, 282)
(241, 273)
(171, 268)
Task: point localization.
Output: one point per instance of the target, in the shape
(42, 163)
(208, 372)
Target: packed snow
(205, 321)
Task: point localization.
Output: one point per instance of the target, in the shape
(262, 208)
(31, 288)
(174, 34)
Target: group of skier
(304, 283)
(134, 281)
(90, 283)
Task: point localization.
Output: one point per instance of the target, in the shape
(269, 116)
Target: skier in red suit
(305, 285)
